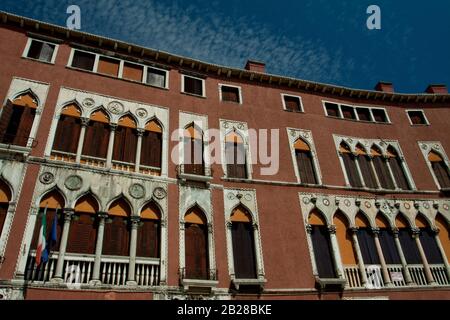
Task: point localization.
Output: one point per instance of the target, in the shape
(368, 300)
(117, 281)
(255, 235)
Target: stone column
(384, 269)
(259, 266)
(84, 124)
(398, 245)
(335, 248)
(442, 251)
(358, 168)
(98, 248)
(140, 133)
(372, 166)
(68, 213)
(112, 134)
(423, 257)
(133, 245)
(229, 240)
(359, 257)
(386, 159)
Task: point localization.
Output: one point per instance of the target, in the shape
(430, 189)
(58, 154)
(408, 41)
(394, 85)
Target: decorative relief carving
(326, 202)
(305, 135)
(226, 125)
(159, 193)
(115, 107)
(46, 178)
(305, 200)
(73, 182)
(141, 113)
(248, 197)
(347, 203)
(230, 196)
(367, 204)
(407, 205)
(88, 103)
(137, 191)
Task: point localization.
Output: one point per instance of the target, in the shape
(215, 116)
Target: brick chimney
(256, 66)
(437, 88)
(384, 86)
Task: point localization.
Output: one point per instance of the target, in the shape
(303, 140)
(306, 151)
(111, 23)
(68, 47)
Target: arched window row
(367, 165)
(94, 139)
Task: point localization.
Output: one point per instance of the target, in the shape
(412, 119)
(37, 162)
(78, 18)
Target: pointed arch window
(440, 169)
(235, 156)
(116, 240)
(68, 130)
(193, 150)
(242, 236)
(151, 151)
(125, 141)
(96, 138)
(305, 163)
(387, 240)
(397, 169)
(149, 232)
(344, 238)
(366, 240)
(407, 242)
(17, 119)
(428, 241)
(5, 198)
(83, 226)
(366, 167)
(381, 168)
(444, 234)
(196, 244)
(350, 165)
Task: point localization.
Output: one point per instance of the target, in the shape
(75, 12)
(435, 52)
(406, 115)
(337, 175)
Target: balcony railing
(79, 269)
(397, 276)
(194, 172)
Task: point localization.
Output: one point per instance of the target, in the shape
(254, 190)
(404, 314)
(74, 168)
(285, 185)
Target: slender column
(406, 173)
(335, 248)
(442, 251)
(140, 133)
(384, 269)
(398, 245)
(133, 245)
(423, 257)
(358, 168)
(230, 252)
(98, 248)
(386, 159)
(68, 213)
(212, 262)
(112, 134)
(359, 257)
(344, 170)
(374, 171)
(259, 266)
(84, 124)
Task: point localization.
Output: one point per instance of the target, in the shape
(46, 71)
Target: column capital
(113, 126)
(354, 229)
(308, 228)
(415, 232)
(140, 132)
(255, 226)
(102, 214)
(163, 222)
(84, 121)
(229, 224)
(182, 225)
(331, 228)
(68, 214)
(134, 221)
(210, 227)
(395, 231)
(375, 230)
(435, 230)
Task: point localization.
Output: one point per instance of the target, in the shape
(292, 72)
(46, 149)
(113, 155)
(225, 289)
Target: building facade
(148, 175)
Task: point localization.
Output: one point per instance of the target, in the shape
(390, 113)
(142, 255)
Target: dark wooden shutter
(305, 166)
(193, 156)
(352, 171)
(96, 139)
(442, 173)
(117, 237)
(409, 247)
(3, 213)
(82, 234)
(7, 113)
(229, 157)
(429, 244)
(192, 85)
(196, 251)
(148, 240)
(24, 129)
(367, 172)
(322, 252)
(243, 250)
(151, 150)
(125, 143)
(367, 246)
(37, 227)
(67, 134)
(383, 173)
(388, 247)
(399, 174)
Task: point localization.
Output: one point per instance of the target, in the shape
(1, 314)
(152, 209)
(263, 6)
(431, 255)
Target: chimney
(437, 88)
(384, 86)
(256, 66)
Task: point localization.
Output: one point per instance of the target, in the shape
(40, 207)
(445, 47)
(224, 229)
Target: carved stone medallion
(137, 191)
(159, 193)
(46, 178)
(73, 182)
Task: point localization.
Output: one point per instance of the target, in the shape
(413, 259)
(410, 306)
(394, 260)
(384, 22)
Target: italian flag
(42, 243)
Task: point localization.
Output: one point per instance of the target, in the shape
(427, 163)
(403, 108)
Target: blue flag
(52, 238)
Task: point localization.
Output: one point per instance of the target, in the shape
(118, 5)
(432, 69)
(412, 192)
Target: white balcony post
(359, 257)
(335, 248)
(423, 257)
(398, 245)
(140, 133)
(131, 281)
(384, 269)
(68, 213)
(98, 248)
(84, 124)
(112, 134)
(442, 251)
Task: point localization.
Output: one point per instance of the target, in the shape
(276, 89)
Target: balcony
(397, 276)
(18, 144)
(195, 282)
(194, 172)
(78, 270)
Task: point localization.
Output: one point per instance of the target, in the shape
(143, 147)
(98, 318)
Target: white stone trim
(247, 198)
(427, 123)
(302, 110)
(354, 107)
(232, 86)
(241, 128)
(306, 136)
(426, 147)
(28, 45)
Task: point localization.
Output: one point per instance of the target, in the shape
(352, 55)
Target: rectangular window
(193, 85)
(108, 66)
(132, 71)
(332, 109)
(83, 60)
(348, 112)
(379, 115)
(156, 77)
(417, 117)
(363, 114)
(292, 103)
(42, 51)
(230, 94)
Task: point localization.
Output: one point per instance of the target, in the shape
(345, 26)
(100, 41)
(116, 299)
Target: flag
(52, 238)
(41, 247)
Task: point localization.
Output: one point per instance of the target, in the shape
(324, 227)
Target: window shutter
(26, 122)
(388, 247)
(82, 235)
(409, 247)
(148, 239)
(7, 113)
(67, 134)
(322, 252)
(367, 246)
(352, 171)
(151, 149)
(116, 242)
(383, 173)
(399, 174)
(442, 173)
(367, 172)
(196, 251)
(243, 250)
(125, 143)
(428, 241)
(305, 166)
(96, 139)
(3, 213)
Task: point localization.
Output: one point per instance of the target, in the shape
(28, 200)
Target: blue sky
(319, 40)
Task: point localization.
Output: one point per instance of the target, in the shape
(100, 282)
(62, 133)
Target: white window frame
(385, 112)
(166, 81)
(372, 120)
(193, 94)
(27, 49)
(351, 107)
(72, 53)
(325, 109)
(341, 116)
(292, 96)
(231, 86)
(427, 123)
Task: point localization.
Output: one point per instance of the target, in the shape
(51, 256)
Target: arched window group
(17, 119)
(440, 169)
(305, 162)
